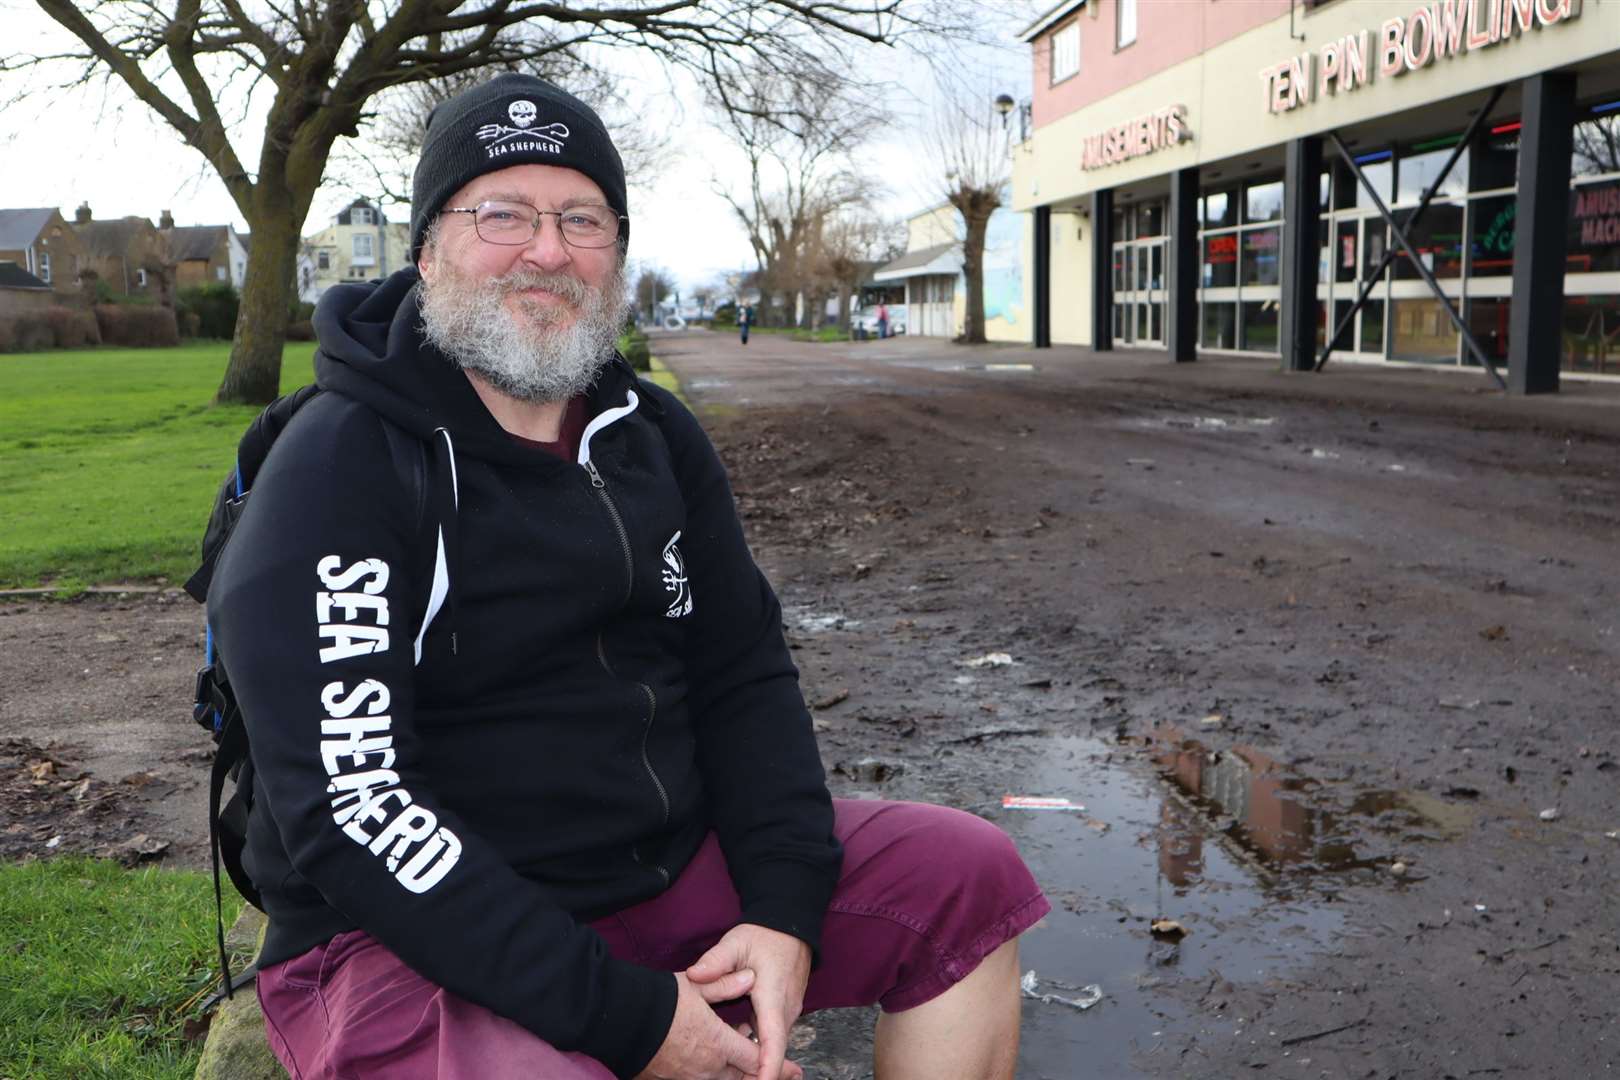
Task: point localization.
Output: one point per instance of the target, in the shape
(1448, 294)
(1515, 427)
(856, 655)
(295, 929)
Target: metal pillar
(1535, 315)
(1302, 172)
(1102, 270)
(1182, 317)
(1043, 277)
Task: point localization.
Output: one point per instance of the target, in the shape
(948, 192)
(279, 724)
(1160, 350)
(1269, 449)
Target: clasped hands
(770, 968)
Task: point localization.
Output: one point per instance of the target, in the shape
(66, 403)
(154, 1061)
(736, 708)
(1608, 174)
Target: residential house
(127, 254)
(41, 242)
(935, 287)
(205, 254)
(359, 245)
(21, 291)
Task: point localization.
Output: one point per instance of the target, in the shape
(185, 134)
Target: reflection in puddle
(1252, 858)
(1284, 820)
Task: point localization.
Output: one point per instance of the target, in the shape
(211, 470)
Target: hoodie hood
(372, 349)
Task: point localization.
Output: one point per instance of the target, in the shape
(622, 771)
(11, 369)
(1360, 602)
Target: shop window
(1119, 269)
(1437, 239)
(1066, 52)
(1263, 202)
(1220, 209)
(1341, 308)
(1423, 332)
(1591, 339)
(1141, 268)
(1375, 239)
(1119, 322)
(1596, 146)
(1259, 325)
(1488, 323)
(1324, 253)
(1417, 171)
(1119, 226)
(1372, 327)
(1219, 325)
(1496, 159)
(1142, 321)
(1261, 248)
(1594, 228)
(1125, 33)
(1344, 251)
(1220, 261)
(1381, 175)
(1150, 219)
(1490, 240)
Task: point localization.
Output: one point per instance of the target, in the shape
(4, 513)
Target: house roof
(939, 259)
(112, 237)
(20, 228)
(1056, 14)
(13, 276)
(194, 241)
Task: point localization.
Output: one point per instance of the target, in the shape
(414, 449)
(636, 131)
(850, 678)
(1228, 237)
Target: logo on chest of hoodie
(675, 580)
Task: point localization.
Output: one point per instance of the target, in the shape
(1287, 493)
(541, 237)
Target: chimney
(81, 216)
(165, 220)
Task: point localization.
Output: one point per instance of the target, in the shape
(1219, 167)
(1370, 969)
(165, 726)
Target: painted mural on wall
(1004, 267)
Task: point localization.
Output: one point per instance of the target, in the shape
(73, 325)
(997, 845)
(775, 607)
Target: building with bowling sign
(1387, 181)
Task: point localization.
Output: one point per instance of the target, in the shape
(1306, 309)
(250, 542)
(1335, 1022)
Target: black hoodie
(481, 719)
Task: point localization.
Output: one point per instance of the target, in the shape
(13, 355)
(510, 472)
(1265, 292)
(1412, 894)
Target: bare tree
(1597, 145)
(854, 242)
(973, 153)
(320, 64)
(653, 283)
(798, 136)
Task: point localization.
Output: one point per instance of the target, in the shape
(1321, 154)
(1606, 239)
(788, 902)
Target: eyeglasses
(514, 223)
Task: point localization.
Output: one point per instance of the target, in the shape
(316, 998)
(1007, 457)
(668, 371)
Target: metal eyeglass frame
(534, 225)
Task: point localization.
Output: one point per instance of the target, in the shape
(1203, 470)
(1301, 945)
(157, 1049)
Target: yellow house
(361, 244)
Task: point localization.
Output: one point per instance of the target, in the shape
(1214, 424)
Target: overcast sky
(63, 148)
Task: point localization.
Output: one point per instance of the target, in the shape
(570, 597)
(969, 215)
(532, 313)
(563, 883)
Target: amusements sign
(1434, 32)
(1136, 138)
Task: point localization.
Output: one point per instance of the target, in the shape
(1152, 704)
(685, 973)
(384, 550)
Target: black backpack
(215, 706)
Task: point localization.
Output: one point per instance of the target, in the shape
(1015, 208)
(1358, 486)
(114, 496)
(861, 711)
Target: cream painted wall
(929, 228)
(1071, 279)
(1224, 95)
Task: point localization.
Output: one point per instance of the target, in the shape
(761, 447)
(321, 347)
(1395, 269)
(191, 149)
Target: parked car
(865, 320)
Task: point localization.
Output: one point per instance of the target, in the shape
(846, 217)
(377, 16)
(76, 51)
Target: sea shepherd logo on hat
(546, 140)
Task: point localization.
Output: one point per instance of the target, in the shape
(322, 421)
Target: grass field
(109, 460)
(101, 969)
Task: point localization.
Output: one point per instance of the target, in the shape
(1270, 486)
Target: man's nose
(546, 249)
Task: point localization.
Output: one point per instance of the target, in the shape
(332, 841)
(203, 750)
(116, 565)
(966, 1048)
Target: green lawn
(101, 968)
(109, 460)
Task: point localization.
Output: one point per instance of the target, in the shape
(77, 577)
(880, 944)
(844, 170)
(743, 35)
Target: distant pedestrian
(883, 320)
(745, 315)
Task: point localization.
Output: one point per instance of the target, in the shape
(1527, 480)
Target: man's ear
(424, 263)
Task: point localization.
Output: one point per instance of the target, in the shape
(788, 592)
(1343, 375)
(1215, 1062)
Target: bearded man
(536, 792)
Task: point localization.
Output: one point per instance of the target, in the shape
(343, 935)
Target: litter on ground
(1087, 996)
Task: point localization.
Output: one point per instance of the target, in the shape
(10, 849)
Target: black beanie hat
(512, 119)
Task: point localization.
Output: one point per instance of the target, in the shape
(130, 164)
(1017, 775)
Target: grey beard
(527, 357)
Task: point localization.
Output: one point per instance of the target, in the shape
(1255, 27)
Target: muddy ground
(1329, 662)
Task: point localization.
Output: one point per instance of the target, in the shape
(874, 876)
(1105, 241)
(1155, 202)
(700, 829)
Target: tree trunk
(253, 376)
(973, 269)
(843, 307)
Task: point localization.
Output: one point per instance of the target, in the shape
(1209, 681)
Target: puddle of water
(1212, 423)
(1248, 855)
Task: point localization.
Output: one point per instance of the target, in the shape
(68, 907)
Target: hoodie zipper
(600, 487)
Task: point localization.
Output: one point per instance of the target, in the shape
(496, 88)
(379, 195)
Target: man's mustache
(570, 288)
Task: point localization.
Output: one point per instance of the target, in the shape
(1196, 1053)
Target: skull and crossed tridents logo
(523, 115)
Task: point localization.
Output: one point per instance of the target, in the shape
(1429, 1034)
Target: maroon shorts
(904, 925)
